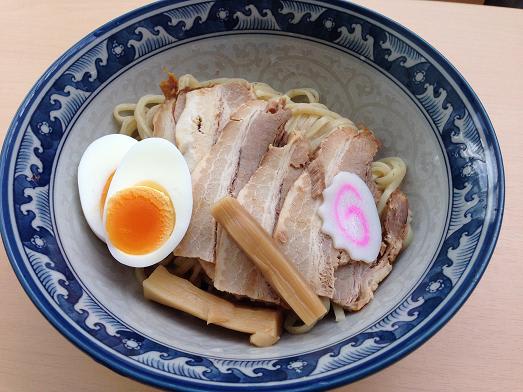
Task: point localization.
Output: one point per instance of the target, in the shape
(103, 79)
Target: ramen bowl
(365, 67)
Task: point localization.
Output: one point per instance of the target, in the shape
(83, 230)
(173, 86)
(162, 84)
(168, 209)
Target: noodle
(311, 94)
(145, 128)
(141, 119)
(312, 116)
(292, 318)
(339, 312)
(264, 91)
(388, 173)
(127, 121)
(410, 232)
(316, 119)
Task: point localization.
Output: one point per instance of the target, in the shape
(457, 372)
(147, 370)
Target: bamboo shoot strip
(263, 324)
(264, 253)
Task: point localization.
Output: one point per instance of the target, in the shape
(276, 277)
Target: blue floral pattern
(416, 67)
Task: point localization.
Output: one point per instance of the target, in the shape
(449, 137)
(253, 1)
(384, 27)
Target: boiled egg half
(95, 171)
(138, 201)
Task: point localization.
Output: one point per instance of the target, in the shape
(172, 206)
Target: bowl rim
(441, 316)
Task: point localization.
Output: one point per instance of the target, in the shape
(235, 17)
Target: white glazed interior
(348, 85)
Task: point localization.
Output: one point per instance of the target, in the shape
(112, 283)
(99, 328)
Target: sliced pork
(227, 167)
(299, 226)
(356, 281)
(164, 125)
(202, 114)
(262, 197)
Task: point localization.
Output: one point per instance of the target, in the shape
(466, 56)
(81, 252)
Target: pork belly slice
(227, 167)
(299, 226)
(356, 281)
(200, 116)
(262, 197)
(164, 125)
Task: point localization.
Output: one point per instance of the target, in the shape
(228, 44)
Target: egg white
(98, 162)
(159, 161)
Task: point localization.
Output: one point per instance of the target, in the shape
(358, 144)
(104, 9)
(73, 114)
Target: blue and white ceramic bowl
(365, 66)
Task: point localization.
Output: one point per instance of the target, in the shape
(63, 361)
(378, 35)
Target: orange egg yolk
(104, 192)
(139, 219)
